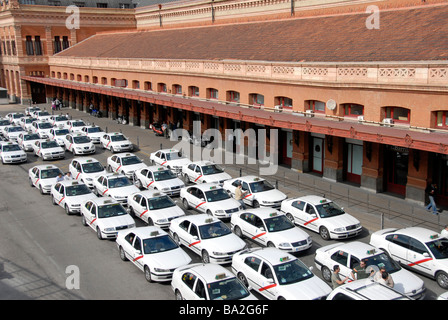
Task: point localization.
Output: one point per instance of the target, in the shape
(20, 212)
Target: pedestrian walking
(431, 191)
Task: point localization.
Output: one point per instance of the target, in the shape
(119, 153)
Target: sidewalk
(374, 210)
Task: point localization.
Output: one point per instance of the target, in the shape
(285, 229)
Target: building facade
(353, 104)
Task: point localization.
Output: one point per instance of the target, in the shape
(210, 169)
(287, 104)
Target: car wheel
(290, 217)
(122, 254)
(131, 212)
(84, 221)
(185, 179)
(209, 213)
(148, 274)
(326, 274)
(185, 203)
(238, 231)
(324, 233)
(67, 210)
(109, 168)
(31, 183)
(271, 245)
(150, 222)
(442, 279)
(205, 257)
(41, 190)
(243, 279)
(112, 149)
(176, 239)
(53, 200)
(98, 233)
(178, 295)
(255, 204)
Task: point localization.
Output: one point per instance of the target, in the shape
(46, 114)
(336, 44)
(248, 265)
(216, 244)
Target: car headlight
(161, 270)
(162, 221)
(165, 189)
(342, 229)
(284, 245)
(47, 154)
(240, 208)
(89, 179)
(132, 225)
(109, 229)
(219, 211)
(219, 253)
(78, 148)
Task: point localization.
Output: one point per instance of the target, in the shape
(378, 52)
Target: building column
(300, 151)
(417, 175)
(145, 115)
(334, 158)
(372, 177)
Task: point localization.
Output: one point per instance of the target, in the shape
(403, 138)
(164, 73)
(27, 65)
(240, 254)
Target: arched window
(315, 105)
(398, 114)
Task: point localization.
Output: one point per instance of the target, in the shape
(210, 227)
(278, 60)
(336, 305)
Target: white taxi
(58, 135)
(58, 121)
(365, 289)
(153, 251)
(419, 249)
(105, 216)
(208, 282)
(154, 208)
(27, 139)
(116, 186)
(169, 158)
(14, 117)
(70, 194)
(27, 123)
(348, 255)
(30, 110)
(116, 142)
(75, 125)
(204, 172)
(278, 275)
(258, 191)
(94, 133)
(10, 152)
(42, 128)
(3, 124)
(322, 216)
(43, 177)
(12, 132)
(158, 178)
(209, 198)
(85, 169)
(207, 237)
(271, 228)
(48, 150)
(41, 115)
(124, 163)
(78, 144)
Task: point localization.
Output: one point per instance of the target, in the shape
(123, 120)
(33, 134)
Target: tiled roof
(413, 34)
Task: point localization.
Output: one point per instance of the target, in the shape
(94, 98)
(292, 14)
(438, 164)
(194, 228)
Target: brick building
(352, 104)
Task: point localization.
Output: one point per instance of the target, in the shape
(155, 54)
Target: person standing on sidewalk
(431, 191)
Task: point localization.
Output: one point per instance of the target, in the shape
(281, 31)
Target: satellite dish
(331, 104)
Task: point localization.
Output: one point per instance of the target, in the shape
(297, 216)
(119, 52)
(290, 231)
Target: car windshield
(383, 260)
(93, 130)
(227, 289)
(111, 210)
(4, 123)
(61, 132)
(439, 248)
(119, 182)
(118, 137)
(78, 124)
(77, 190)
(216, 195)
(29, 120)
(29, 137)
(43, 113)
(127, 161)
(292, 272)
(158, 244)
(81, 139)
(160, 203)
(278, 223)
(173, 156)
(329, 209)
(92, 167)
(260, 186)
(49, 144)
(213, 230)
(61, 118)
(211, 169)
(164, 175)
(15, 129)
(45, 125)
(50, 173)
(11, 147)
(18, 115)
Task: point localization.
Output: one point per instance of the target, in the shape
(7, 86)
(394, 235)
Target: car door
(73, 170)
(149, 180)
(188, 281)
(36, 148)
(201, 202)
(68, 142)
(157, 159)
(113, 163)
(92, 216)
(248, 198)
(137, 253)
(35, 176)
(196, 174)
(182, 232)
(56, 193)
(398, 246)
(341, 258)
(310, 217)
(418, 256)
(99, 185)
(136, 206)
(266, 280)
(193, 239)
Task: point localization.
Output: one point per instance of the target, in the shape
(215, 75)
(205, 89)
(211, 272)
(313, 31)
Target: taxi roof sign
(208, 220)
(154, 233)
(433, 236)
(220, 276)
(371, 251)
(284, 259)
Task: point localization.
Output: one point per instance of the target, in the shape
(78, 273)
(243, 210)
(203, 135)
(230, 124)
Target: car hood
(14, 153)
(167, 260)
(123, 191)
(94, 174)
(291, 235)
(216, 177)
(309, 289)
(58, 149)
(271, 195)
(225, 204)
(343, 220)
(166, 213)
(178, 162)
(227, 243)
(80, 199)
(110, 222)
(133, 167)
(168, 183)
(406, 282)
